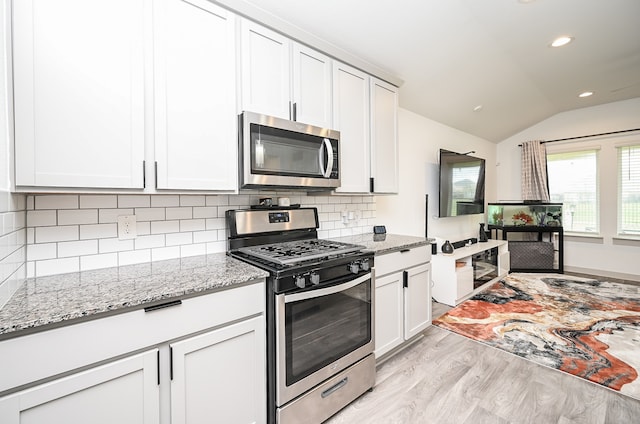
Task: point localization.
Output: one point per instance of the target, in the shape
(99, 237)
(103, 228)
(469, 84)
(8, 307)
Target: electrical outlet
(127, 227)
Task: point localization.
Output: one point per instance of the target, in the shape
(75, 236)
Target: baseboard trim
(603, 273)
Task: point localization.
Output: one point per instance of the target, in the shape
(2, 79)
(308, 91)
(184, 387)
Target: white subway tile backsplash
(205, 212)
(57, 266)
(162, 253)
(106, 216)
(192, 200)
(179, 213)
(37, 252)
(193, 250)
(79, 216)
(149, 214)
(66, 201)
(107, 245)
(192, 225)
(178, 239)
(42, 218)
(106, 260)
(148, 242)
(70, 232)
(77, 248)
(97, 231)
(53, 234)
(134, 201)
(217, 200)
(98, 201)
(134, 257)
(165, 201)
(164, 227)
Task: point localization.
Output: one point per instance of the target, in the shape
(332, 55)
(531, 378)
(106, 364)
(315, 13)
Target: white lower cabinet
(402, 298)
(216, 372)
(201, 361)
(124, 392)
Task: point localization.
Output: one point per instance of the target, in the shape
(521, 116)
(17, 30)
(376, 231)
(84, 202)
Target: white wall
(420, 140)
(606, 255)
(12, 215)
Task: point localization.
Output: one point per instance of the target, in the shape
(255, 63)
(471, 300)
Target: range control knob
(315, 278)
(354, 267)
(364, 265)
(300, 281)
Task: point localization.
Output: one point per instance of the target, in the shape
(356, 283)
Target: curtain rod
(587, 136)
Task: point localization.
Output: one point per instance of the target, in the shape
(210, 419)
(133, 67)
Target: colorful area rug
(587, 328)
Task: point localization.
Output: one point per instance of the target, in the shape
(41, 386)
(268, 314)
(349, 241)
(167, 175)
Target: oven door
(321, 332)
(278, 152)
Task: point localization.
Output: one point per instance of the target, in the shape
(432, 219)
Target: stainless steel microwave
(278, 153)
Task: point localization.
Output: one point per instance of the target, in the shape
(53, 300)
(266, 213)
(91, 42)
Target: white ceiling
(456, 54)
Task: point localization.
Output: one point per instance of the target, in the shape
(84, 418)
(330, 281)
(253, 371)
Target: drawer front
(401, 260)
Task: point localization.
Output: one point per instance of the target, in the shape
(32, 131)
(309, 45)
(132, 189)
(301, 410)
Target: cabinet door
(124, 392)
(384, 137)
(417, 300)
(79, 93)
(195, 97)
(219, 377)
(351, 118)
(388, 313)
(311, 87)
(266, 73)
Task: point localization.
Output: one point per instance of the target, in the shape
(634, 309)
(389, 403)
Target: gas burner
(293, 252)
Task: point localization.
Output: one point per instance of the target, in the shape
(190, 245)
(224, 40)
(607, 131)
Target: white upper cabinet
(283, 78)
(79, 93)
(351, 118)
(312, 96)
(266, 71)
(195, 96)
(384, 137)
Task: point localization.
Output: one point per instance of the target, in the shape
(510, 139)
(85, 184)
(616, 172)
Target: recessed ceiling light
(586, 94)
(561, 41)
(477, 108)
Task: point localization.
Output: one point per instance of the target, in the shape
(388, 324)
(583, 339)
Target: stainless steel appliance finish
(276, 152)
(320, 312)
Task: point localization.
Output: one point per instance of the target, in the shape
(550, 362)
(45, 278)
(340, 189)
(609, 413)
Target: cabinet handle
(339, 385)
(405, 279)
(158, 365)
(295, 112)
(371, 185)
(163, 305)
(144, 173)
(405, 250)
(171, 363)
(155, 169)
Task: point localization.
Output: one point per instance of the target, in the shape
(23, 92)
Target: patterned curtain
(535, 184)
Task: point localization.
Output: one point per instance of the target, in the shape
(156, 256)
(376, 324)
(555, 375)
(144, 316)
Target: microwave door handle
(326, 145)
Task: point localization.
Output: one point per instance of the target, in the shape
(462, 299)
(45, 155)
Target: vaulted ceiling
(455, 56)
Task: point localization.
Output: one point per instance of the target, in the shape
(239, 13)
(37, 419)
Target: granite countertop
(385, 243)
(44, 302)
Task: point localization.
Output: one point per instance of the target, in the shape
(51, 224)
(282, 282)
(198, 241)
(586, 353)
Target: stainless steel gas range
(319, 312)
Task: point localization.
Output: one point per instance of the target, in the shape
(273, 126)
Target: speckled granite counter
(387, 244)
(48, 301)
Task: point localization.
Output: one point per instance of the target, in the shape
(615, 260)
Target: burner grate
(293, 252)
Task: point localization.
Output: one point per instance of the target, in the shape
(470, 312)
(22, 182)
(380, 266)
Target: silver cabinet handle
(339, 385)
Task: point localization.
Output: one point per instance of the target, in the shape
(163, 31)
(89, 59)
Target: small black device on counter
(379, 229)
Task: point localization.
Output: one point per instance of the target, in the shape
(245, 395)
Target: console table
(469, 269)
(524, 264)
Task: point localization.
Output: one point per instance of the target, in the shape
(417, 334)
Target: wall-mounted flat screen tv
(461, 184)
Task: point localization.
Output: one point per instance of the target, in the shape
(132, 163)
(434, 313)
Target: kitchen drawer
(402, 259)
(32, 357)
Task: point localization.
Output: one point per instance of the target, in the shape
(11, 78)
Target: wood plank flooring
(446, 378)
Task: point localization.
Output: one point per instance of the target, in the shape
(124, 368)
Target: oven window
(323, 329)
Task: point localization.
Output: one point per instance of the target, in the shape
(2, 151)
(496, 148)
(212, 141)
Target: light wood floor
(447, 378)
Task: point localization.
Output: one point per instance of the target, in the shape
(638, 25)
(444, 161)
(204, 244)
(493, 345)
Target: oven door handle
(326, 291)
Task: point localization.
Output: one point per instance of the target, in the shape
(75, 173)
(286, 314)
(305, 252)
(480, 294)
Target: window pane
(629, 190)
(573, 181)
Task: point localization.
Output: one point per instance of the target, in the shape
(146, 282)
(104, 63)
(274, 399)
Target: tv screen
(461, 184)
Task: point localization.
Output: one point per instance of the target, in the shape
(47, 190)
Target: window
(629, 190)
(573, 181)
